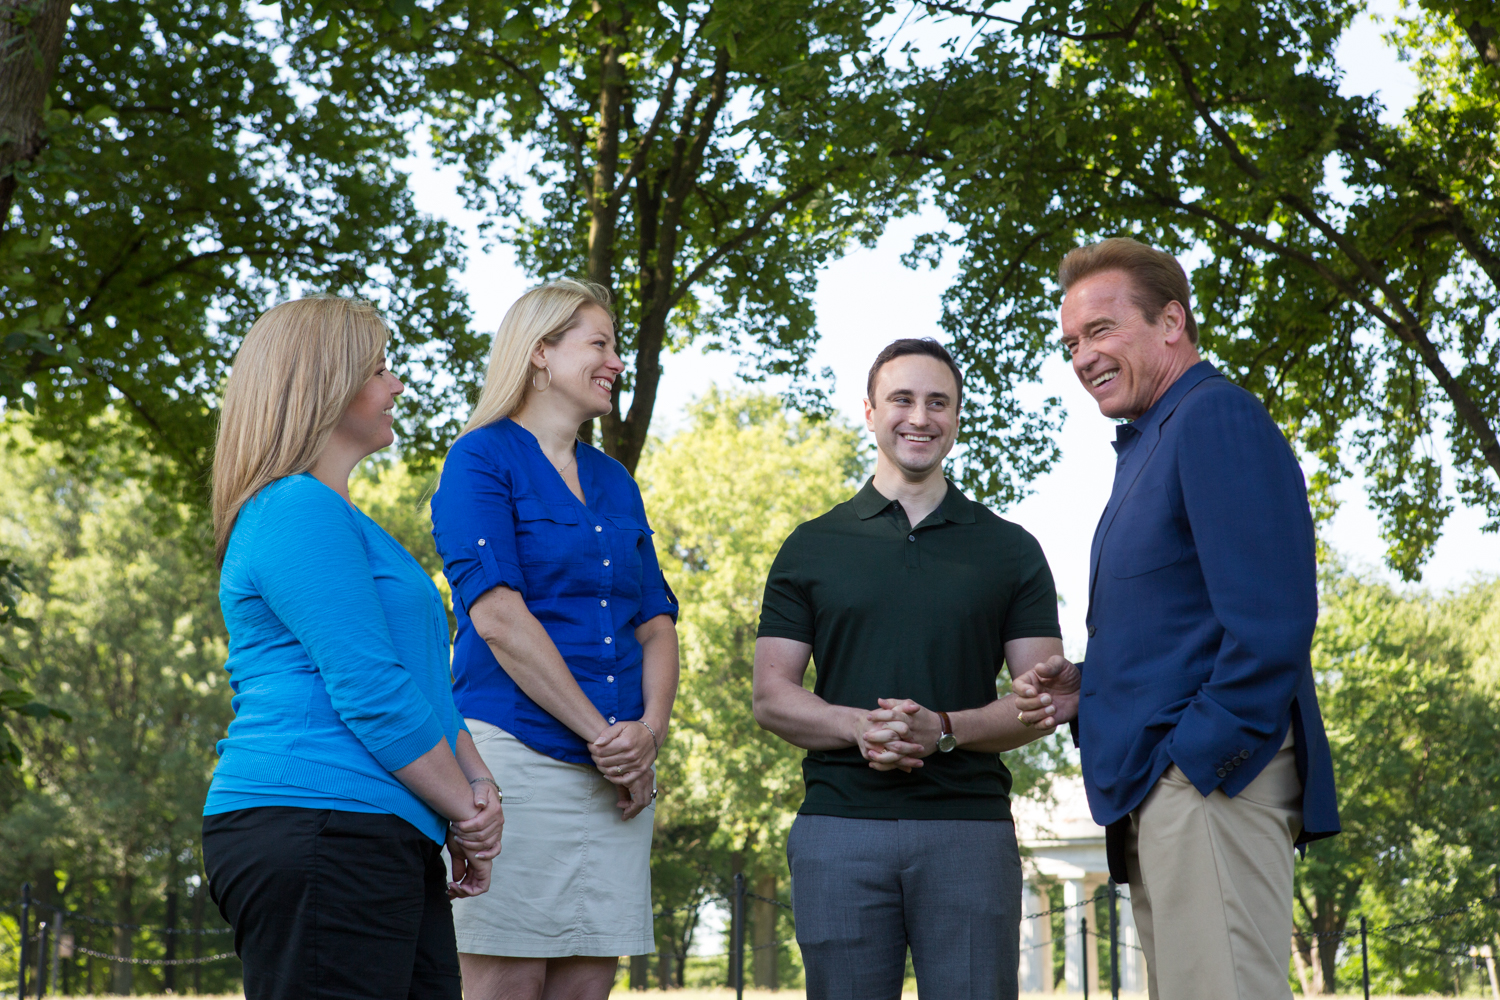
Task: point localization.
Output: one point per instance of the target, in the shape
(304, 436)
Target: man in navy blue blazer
(1197, 719)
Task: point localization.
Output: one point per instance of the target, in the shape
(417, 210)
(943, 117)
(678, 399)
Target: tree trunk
(604, 207)
(763, 916)
(664, 973)
(123, 973)
(31, 35)
(640, 972)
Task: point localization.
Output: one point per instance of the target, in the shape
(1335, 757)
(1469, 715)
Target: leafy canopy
(701, 161)
(195, 172)
(1347, 267)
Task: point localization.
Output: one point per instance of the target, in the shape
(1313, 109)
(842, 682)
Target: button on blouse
(502, 516)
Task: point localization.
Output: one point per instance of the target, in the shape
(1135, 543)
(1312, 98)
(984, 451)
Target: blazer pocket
(1145, 536)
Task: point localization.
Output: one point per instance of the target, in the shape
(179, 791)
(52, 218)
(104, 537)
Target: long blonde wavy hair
(296, 372)
(542, 315)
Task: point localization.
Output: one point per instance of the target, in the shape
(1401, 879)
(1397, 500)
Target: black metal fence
(51, 939)
(52, 942)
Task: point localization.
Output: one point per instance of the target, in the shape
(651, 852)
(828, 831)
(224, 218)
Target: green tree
(1413, 721)
(1349, 266)
(700, 160)
(191, 169)
(129, 641)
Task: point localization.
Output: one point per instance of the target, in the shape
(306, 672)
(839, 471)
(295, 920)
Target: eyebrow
(912, 392)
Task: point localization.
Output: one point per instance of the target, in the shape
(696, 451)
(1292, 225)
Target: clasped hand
(624, 753)
(474, 842)
(1047, 694)
(898, 734)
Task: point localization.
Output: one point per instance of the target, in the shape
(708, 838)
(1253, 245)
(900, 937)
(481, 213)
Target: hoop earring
(542, 388)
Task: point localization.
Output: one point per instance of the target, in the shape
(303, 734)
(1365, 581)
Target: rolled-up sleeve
(656, 595)
(474, 526)
(317, 580)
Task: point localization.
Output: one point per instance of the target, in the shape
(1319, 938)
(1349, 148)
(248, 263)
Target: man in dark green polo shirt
(909, 596)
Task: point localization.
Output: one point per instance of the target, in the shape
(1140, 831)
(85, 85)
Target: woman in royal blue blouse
(565, 664)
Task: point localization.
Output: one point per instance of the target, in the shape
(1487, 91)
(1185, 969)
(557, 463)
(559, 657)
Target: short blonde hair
(296, 372)
(542, 315)
(1157, 276)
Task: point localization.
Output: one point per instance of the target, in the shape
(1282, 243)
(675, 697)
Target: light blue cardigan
(338, 656)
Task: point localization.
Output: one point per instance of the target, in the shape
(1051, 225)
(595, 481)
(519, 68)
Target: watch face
(947, 742)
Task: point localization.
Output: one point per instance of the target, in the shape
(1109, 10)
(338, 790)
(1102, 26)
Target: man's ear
(1174, 321)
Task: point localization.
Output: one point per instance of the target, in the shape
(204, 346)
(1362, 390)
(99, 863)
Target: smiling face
(365, 427)
(914, 414)
(1124, 361)
(583, 366)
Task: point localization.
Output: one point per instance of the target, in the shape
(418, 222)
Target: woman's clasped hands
(474, 842)
(624, 753)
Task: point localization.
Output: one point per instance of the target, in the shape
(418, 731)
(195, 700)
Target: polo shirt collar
(955, 506)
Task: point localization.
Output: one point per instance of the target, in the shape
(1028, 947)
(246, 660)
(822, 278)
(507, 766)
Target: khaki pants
(1211, 884)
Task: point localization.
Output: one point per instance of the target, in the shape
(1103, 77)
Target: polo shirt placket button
(608, 640)
(911, 538)
(598, 527)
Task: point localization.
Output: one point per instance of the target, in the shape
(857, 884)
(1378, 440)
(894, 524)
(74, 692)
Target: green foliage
(722, 496)
(1349, 266)
(701, 160)
(15, 696)
(192, 177)
(128, 641)
(1413, 715)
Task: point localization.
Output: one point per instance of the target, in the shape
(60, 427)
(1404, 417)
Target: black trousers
(331, 904)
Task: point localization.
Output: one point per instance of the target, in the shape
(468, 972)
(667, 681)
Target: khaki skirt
(572, 877)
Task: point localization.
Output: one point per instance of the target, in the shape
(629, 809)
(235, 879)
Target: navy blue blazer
(1202, 601)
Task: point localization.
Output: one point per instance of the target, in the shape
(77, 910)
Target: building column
(1132, 960)
(1073, 893)
(1035, 972)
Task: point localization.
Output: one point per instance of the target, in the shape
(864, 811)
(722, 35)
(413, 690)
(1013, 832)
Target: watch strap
(947, 725)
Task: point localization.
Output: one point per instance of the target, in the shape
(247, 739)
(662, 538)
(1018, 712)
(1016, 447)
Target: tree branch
(1125, 33)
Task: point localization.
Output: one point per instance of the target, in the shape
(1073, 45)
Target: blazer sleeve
(1246, 504)
(315, 576)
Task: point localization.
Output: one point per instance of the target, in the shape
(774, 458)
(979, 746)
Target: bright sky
(868, 298)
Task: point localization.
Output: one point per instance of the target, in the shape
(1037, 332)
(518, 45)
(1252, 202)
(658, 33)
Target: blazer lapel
(1130, 471)
(1125, 477)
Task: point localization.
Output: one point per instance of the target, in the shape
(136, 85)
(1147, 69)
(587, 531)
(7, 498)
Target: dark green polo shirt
(896, 612)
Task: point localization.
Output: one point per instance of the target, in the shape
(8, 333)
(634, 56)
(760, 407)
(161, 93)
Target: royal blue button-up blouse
(502, 516)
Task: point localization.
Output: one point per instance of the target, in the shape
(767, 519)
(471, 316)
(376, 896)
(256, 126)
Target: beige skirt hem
(572, 877)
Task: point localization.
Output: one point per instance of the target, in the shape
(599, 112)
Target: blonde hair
(295, 374)
(542, 315)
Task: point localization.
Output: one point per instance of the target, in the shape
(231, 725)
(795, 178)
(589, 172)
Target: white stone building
(1061, 841)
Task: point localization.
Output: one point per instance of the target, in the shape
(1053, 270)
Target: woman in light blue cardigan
(347, 767)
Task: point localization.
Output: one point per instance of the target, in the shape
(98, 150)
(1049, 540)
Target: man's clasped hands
(898, 734)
